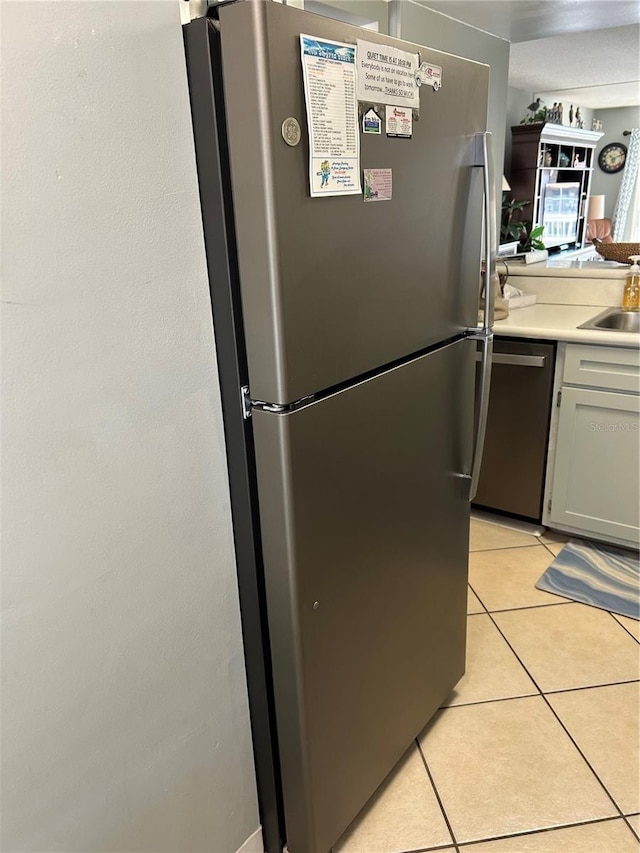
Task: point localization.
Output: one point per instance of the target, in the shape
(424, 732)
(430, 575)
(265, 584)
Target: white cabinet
(594, 467)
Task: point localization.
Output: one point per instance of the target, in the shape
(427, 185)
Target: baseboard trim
(253, 844)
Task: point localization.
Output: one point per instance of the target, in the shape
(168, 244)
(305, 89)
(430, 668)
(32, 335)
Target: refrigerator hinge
(559, 398)
(248, 405)
(477, 333)
(549, 505)
(245, 402)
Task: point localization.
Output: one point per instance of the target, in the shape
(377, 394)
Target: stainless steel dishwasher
(515, 452)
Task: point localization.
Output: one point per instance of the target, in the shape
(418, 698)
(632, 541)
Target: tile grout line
(624, 627)
(482, 604)
(435, 849)
(437, 793)
(522, 607)
(505, 548)
(592, 686)
(548, 704)
(549, 549)
(534, 606)
(529, 832)
(635, 834)
(548, 693)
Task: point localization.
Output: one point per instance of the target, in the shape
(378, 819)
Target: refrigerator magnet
(430, 75)
(399, 122)
(378, 184)
(371, 122)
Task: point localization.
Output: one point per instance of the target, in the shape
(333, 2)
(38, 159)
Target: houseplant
(510, 230)
(523, 232)
(530, 238)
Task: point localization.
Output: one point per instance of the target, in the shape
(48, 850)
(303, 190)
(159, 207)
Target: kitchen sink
(614, 320)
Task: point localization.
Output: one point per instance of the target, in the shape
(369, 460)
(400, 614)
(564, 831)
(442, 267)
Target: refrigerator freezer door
(365, 519)
(333, 288)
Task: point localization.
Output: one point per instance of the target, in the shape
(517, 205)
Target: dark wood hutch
(551, 167)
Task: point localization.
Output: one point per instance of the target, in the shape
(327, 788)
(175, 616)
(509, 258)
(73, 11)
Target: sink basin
(614, 320)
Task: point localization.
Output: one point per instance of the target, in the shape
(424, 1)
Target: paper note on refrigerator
(378, 185)
(387, 75)
(329, 75)
(399, 122)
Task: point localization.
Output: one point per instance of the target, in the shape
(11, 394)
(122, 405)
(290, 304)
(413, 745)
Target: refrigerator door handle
(484, 158)
(486, 353)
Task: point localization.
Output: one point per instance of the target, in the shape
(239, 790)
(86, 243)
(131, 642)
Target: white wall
(615, 121)
(124, 712)
(517, 100)
(358, 12)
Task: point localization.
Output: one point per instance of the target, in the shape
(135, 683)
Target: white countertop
(559, 323)
(559, 268)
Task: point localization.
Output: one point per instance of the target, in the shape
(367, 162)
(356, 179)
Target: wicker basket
(620, 252)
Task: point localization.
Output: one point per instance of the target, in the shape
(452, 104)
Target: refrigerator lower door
(364, 519)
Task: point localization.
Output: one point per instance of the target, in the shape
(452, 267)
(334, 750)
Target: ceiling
(579, 51)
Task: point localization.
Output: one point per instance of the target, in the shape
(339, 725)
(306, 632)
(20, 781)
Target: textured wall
(124, 716)
(517, 101)
(615, 121)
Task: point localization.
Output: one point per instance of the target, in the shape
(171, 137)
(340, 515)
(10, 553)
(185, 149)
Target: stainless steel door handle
(486, 344)
(517, 360)
(484, 158)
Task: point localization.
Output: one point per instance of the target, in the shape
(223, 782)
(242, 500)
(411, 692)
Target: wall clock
(612, 157)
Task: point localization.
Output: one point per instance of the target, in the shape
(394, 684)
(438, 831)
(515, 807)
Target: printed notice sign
(386, 75)
(399, 121)
(377, 184)
(329, 74)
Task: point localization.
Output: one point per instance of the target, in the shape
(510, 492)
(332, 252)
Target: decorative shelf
(558, 134)
(537, 176)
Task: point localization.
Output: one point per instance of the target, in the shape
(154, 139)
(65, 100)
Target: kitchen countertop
(558, 268)
(558, 323)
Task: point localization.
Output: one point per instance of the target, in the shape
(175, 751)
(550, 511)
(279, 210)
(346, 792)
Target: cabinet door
(595, 481)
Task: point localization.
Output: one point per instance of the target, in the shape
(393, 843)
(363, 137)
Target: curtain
(626, 214)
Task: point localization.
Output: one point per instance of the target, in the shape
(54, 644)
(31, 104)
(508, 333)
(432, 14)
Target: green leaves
(530, 238)
(510, 230)
(535, 118)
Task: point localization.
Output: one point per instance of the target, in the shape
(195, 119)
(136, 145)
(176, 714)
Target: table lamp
(595, 209)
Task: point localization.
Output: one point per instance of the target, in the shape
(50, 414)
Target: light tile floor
(536, 750)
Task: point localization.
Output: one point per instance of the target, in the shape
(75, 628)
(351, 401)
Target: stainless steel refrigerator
(346, 335)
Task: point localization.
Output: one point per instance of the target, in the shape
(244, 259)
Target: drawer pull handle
(608, 367)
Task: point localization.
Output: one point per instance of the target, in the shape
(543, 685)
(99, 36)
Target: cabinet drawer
(615, 368)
